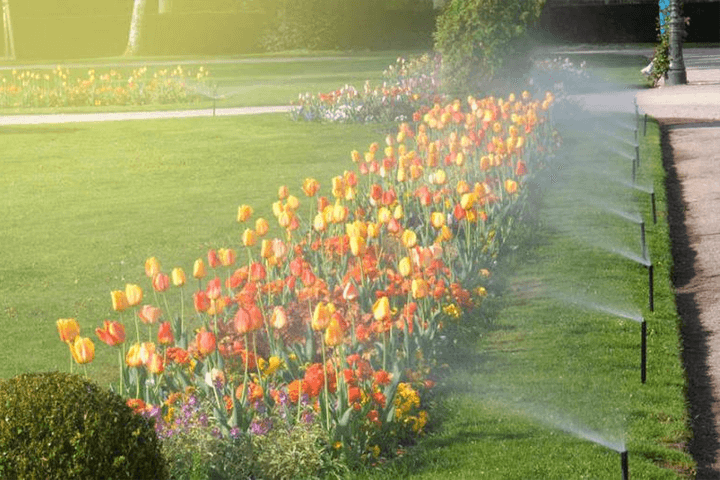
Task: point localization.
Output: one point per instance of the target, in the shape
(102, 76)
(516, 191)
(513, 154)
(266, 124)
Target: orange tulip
(152, 267)
(199, 270)
(244, 213)
(155, 364)
(178, 277)
(201, 301)
(134, 294)
(161, 282)
(248, 238)
(261, 227)
(119, 300)
(283, 192)
(227, 256)
(82, 350)
(381, 309)
(112, 333)
(165, 334)
(205, 342)
(149, 314)
(68, 329)
(334, 333)
(420, 288)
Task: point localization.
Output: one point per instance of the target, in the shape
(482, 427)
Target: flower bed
(58, 88)
(408, 85)
(331, 332)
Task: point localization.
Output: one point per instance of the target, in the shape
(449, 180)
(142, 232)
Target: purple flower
(261, 427)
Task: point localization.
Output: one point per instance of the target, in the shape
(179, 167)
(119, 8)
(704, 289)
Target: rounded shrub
(61, 426)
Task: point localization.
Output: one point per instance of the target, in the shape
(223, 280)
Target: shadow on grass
(705, 442)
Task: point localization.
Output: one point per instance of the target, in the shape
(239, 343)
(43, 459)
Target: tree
(136, 22)
(480, 40)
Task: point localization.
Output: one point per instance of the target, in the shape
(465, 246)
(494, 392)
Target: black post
(654, 211)
(643, 243)
(643, 351)
(624, 465)
(651, 292)
(645, 126)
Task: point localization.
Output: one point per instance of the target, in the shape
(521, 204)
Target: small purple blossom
(261, 427)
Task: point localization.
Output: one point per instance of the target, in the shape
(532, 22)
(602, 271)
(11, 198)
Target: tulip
(201, 301)
(152, 267)
(419, 288)
(310, 187)
(279, 318)
(266, 249)
(132, 358)
(161, 282)
(334, 333)
(227, 256)
(292, 202)
(112, 333)
(520, 169)
(405, 267)
(381, 309)
(134, 294)
(467, 201)
(321, 315)
(339, 213)
(511, 186)
(147, 349)
(155, 364)
(248, 238)
(437, 219)
(68, 329)
(319, 223)
(82, 350)
(205, 342)
(283, 192)
(199, 269)
(261, 227)
(373, 230)
(149, 314)
(357, 246)
(350, 292)
(244, 213)
(214, 290)
(178, 276)
(165, 334)
(119, 300)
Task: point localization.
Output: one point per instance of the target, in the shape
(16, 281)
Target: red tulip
(112, 333)
(205, 342)
(165, 334)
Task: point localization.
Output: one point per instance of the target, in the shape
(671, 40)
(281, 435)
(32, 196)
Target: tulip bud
(68, 329)
(227, 256)
(178, 276)
(405, 267)
(152, 267)
(279, 318)
(244, 213)
(381, 309)
(205, 342)
(161, 282)
(419, 288)
(248, 238)
(199, 269)
(119, 300)
(437, 219)
(82, 350)
(283, 192)
(321, 316)
(409, 238)
(261, 227)
(165, 334)
(133, 294)
(334, 333)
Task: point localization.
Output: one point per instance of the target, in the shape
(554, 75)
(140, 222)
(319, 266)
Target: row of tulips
(59, 88)
(339, 321)
(407, 85)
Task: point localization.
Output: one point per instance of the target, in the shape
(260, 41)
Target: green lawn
(84, 206)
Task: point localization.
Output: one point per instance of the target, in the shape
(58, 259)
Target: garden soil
(689, 117)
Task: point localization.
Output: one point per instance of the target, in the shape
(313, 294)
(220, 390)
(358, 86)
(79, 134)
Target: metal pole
(676, 73)
(643, 351)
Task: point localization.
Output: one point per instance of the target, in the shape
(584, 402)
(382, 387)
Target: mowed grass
(549, 389)
(257, 80)
(83, 206)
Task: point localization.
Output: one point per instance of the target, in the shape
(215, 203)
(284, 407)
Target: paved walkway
(690, 122)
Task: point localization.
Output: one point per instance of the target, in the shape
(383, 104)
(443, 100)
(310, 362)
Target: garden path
(689, 116)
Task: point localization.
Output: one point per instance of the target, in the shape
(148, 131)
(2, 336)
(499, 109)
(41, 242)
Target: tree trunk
(135, 28)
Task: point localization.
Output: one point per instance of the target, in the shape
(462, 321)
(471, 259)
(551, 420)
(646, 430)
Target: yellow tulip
(134, 294)
(199, 270)
(244, 213)
(405, 267)
(68, 329)
(82, 350)
(119, 300)
(152, 267)
(261, 227)
(381, 308)
(178, 276)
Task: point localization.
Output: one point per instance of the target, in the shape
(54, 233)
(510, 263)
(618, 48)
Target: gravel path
(690, 123)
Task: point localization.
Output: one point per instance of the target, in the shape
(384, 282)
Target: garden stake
(654, 212)
(624, 465)
(643, 244)
(645, 125)
(643, 351)
(651, 300)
